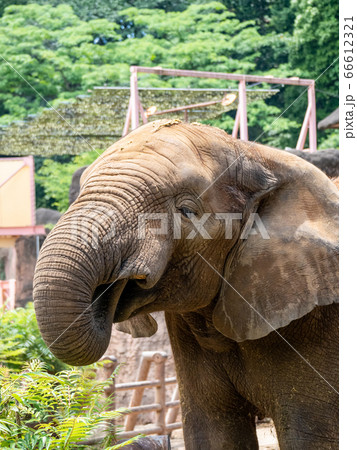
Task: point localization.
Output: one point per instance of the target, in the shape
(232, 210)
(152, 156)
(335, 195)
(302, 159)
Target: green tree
(50, 51)
(55, 177)
(315, 47)
(61, 55)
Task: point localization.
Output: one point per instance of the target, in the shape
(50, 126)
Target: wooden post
(160, 391)
(127, 119)
(142, 112)
(134, 95)
(144, 367)
(312, 122)
(108, 369)
(303, 132)
(243, 111)
(7, 293)
(171, 415)
(236, 121)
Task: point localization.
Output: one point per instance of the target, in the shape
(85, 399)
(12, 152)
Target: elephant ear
(273, 278)
(138, 326)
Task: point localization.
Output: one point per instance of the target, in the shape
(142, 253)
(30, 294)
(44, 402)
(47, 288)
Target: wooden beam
(303, 132)
(224, 76)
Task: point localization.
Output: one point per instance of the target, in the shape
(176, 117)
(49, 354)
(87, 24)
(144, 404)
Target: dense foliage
(21, 340)
(45, 404)
(63, 50)
(39, 410)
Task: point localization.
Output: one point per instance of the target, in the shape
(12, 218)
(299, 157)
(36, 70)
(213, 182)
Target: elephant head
(168, 219)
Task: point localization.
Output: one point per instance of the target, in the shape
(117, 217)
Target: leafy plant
(21, 340)
(39, 410)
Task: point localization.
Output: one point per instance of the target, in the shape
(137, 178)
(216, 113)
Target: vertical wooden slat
(127, 119)
(236, 121)
(243, 111)
(303, 132)
(134, 95)
(160, 391)
(312, 122)
(172, 413)
(143, 372)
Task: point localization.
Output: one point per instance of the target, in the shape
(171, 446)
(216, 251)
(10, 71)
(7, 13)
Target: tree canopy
(55, 50)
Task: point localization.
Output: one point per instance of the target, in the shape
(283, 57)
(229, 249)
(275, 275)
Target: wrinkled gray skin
(223, 298)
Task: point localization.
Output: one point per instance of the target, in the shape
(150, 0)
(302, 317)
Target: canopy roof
(97, 120)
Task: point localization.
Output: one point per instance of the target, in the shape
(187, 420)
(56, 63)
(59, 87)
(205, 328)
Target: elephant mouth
(125, 295)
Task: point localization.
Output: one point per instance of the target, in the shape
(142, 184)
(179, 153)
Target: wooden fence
(166, 412)
(7, 293)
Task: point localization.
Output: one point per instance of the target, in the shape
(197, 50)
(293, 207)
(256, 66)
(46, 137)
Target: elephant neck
(208, 337)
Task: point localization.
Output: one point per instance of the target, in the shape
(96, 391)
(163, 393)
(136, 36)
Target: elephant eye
(187, 212)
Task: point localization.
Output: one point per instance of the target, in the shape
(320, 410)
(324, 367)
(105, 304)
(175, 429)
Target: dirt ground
(266, 437)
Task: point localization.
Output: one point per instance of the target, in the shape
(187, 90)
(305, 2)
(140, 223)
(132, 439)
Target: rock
(325, 160)
(150, 443)
(26, 257)
(46, 216)
(74, 189)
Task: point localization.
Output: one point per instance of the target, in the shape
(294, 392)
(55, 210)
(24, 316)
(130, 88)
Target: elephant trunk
(75, 292)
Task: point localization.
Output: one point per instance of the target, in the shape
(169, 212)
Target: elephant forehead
(191, 151)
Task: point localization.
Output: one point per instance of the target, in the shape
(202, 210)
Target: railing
(7, 293)
(166, 412)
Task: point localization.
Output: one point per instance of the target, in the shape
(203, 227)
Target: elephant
(237, 243)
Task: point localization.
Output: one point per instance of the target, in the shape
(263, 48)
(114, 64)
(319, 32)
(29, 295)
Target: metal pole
(312, 122)
(37, 245)
(243, 116)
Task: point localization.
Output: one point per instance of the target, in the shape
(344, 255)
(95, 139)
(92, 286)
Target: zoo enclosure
(7, 293)
(136, 111)
(165, 411)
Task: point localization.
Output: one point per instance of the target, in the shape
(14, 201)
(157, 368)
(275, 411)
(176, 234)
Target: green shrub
(43, 406)
(21, 341)
(39, 410)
